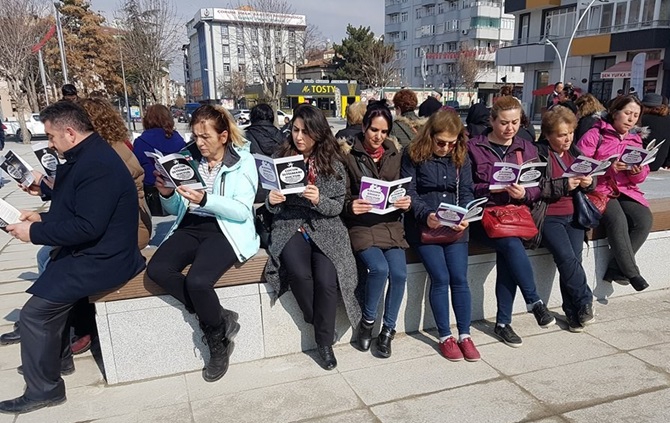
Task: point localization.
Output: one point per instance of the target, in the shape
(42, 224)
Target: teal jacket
(234, 209)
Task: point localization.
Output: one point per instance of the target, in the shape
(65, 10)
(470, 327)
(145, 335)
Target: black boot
(365, 335)
(638, 283)
(327, 356)
(384, 342)
(13, 337)
(220, 349)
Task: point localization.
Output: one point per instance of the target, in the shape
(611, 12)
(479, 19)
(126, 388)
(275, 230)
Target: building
(430, 35)
(252, 43)
(331, 95)
(319, 68)
(611, 33)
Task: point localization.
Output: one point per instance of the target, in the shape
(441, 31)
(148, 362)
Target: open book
(382, 194)
(8, 214)
(17, 168)
(452, 215)
(287, 175)
(47, 156)
(587, 166)
(177, 169)
(506, 174)
(639, 156)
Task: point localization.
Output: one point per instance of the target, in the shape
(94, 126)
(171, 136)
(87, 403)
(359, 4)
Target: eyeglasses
(442, 143)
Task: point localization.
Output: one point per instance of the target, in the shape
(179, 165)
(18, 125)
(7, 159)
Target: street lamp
(563, 61)
(61, 42)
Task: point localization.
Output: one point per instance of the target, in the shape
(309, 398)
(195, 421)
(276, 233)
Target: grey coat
(324, 226)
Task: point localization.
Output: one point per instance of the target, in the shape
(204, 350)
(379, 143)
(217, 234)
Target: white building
(441, 30)
(599, 61)
(223, 41)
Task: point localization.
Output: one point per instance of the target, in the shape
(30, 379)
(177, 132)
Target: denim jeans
(565, 241)
(383, 264)
(447, 266)
(43, 258)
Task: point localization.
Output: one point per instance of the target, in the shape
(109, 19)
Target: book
(287, 175)
(639, 156)
(17, 168)
(452, 215)
(587, 166)
(8, 215)
(383, 194)
(47, 156)
(177, 169)
(506, 174)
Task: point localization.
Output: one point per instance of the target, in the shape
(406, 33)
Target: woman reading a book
(627, 218)
(513, 268)
(554, 214)
(378, 240)
(213, 231)
(309, 250)
(438, 164)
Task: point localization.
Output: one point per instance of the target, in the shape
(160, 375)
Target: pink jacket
(613, 144)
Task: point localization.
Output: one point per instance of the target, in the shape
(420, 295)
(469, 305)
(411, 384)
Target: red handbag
(441, 235)
(509, 221)
(598, 199)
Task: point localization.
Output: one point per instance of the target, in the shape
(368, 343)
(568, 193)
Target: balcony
(524, 52)
(485, 9)
(615, 29)
(519, 5)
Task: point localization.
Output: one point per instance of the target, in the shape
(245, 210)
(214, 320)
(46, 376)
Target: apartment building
(430, 35)
(610, 34)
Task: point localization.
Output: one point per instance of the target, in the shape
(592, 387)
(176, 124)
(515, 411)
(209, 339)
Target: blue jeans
(565, 241)
(447, 266)
(43, 258)
(383, 264)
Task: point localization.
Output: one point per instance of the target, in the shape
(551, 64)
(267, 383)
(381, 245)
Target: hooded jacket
(603, 141)
(478, 119)
(264, 137)
(406, 126)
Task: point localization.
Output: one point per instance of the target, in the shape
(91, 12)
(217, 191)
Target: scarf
(311, 173)
(376, 154)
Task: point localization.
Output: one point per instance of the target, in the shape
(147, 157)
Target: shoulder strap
(458, 185)
(561, 163)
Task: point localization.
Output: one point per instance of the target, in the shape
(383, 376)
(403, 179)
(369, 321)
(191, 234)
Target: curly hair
(421, 148)
(588, 104)
(326, 149)
(159, 116)
(661, 110)
(556, 116)
(222, 121)
(106, 120)
(405, 100)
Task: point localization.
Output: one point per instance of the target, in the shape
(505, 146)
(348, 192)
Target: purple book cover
(376, 194)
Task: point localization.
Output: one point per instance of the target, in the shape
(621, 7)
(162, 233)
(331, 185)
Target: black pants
(313, 280)
(45, 342)
(628, 224)
(83, 318)
(199, 242)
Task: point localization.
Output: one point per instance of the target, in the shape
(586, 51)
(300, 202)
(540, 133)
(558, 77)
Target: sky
(330, 16)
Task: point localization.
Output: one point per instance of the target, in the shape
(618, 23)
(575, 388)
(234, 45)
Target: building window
(634, 12)
(417, 71)
(524, 28)
(403, 17)
(559, 22)
(224, 31)
(240, 51)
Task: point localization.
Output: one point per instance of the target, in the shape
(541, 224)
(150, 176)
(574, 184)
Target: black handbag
(152, 197)
(586, 214)
(263, 222)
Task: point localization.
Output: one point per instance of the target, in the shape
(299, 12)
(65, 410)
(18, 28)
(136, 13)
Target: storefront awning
(622, 69)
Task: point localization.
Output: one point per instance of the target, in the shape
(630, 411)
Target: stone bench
(145, 333)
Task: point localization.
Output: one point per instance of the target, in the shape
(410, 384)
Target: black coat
(93, 218)
(265, 138)
(478, 119)
(585, 123)
(429, 106)
(350, 133)
(659, 129)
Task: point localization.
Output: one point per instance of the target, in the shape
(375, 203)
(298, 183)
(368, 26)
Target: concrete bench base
(150, 337)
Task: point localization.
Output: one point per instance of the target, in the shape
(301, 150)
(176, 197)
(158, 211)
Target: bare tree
(151, 35)
(469, 67)
(380, 68)
(313, 44)
(19, 31)
(234, 87)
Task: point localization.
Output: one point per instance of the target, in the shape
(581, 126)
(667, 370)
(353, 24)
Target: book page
(267, 172)
(8, 214)
(450, 215)
(47, 156)
(292, 174)
(18, 169)
(531, 173)
(181, 171)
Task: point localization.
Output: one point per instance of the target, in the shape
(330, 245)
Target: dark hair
(405, 100)
(158, 116)
(261, 112)
(506, 90)
(68, 90)
(619, 104)
(569, 92)
(619, 91)
(377, 109)
(326, 149)
(503, 104)
(557, 84)
(66, 113)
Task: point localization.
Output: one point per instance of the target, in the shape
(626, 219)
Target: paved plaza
(618, 370)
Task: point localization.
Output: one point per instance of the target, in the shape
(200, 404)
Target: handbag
(443, 234)
(263, 222)
(586, 213)
(152, 197)
(510, 220)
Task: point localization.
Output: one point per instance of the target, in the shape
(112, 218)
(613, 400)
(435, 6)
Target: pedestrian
(627, 218)
(656, 118)
(213, 231)
(554, 215)
(478, 118)
(512, 264)
(69, 92)
(377, 240)
(431, 104)
(553, 97)
(439, 166)
(406, 123)
(589, 111)
(566, 98)
(263, 136)
(94, 220)
(354, 127)
(310, 250)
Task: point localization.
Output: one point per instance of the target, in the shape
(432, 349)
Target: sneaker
(469, 350)
(450, 351)
(508, 336)
(585, 315)
(573, 324)
(542, 315)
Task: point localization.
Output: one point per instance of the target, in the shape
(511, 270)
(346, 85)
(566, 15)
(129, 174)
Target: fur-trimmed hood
(415, 123)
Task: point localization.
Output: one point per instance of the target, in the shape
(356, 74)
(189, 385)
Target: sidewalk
(618, 370)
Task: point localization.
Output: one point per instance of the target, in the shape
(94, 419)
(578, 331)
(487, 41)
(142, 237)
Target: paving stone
(657, 355)
(634, 332)
(414, 377)
(646, 408)
(549, 420)
(355, 416)
(544, 351)
(14, 287)
(495, 402)
(575, 385)
(18, 275)
(179, 413)
(10, 355)
(287, 402)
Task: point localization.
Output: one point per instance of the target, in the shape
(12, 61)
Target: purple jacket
(482, 157)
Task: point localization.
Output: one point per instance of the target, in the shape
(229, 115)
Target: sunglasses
(442, 143)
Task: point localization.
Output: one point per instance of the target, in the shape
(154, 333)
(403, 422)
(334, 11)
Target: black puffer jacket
(265, 138)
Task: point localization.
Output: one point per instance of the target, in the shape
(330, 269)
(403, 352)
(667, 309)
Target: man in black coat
(264, 136)
(92, 223)
(431, 105)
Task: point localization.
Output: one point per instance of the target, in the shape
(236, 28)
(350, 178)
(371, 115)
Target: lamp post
(61, 43)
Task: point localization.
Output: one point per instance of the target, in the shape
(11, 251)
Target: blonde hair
(588, 104)
(355, 113)
(223, 121)
(503, 104)
(556, 116)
